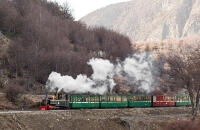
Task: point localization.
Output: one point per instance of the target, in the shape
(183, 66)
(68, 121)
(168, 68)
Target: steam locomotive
(79, 101)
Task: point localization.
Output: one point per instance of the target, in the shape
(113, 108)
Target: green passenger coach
(109, 101)
(84, 101)
(140, 101)
(182, 100)
(113, 101)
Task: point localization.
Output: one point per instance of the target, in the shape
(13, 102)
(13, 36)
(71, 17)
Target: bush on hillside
(13, 91)
(1, 83)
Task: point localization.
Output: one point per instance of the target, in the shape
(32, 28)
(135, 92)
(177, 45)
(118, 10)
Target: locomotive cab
(45, 104)
(57, 101)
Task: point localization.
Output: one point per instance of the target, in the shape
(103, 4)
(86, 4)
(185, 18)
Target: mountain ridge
(149, 20)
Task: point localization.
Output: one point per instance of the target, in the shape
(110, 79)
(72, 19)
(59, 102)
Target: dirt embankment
(93, 119)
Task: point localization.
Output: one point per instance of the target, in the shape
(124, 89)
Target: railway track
(15, 112)
(91, 110)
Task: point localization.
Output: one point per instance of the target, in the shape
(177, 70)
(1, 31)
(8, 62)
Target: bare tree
(184, 72)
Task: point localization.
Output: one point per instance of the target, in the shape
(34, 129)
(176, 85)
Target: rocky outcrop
(149, 20)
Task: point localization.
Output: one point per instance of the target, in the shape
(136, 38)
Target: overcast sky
(81, 8)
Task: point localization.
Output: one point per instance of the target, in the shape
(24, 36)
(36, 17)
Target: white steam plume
(139, 70)
(100, 82)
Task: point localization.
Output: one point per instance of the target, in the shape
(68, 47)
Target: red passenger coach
(163, 101)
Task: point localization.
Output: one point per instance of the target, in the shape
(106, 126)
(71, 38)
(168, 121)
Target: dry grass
(183, 125)
(168, 45)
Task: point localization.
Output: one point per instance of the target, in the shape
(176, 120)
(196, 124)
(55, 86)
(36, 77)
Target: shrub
(183, 125)
(1, 83)
(13, 91)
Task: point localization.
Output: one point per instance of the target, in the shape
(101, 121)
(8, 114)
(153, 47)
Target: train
(84, 101)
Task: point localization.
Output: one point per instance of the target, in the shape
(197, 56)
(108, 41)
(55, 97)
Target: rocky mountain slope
(149, 20)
